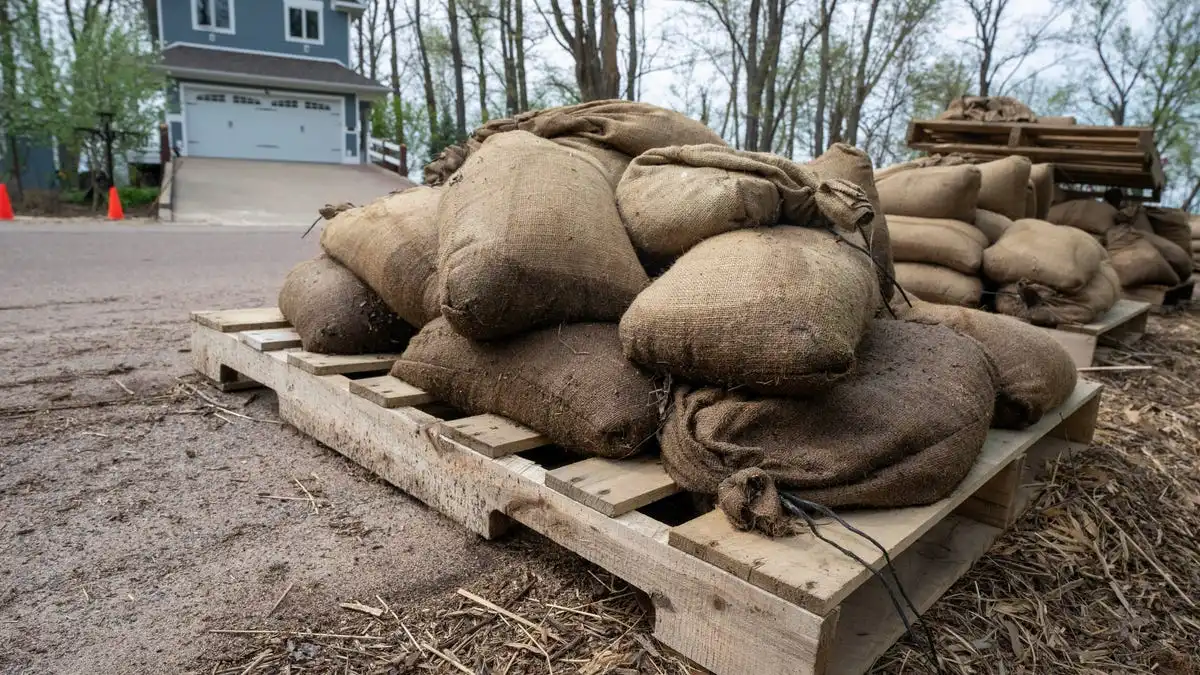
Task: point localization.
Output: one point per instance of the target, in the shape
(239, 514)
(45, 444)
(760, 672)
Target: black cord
(874, 263)
(800, 507)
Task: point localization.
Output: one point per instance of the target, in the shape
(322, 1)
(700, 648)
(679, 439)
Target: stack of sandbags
(1050, 274)
(1194, 224)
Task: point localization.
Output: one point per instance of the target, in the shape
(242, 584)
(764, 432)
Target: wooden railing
(388, 154)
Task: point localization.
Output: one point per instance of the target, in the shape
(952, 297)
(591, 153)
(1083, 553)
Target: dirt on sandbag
(902, 430)
(391, 244)
(1034, 374)
(777, 310)
(571, 383)
(336, 313)
(530, 236)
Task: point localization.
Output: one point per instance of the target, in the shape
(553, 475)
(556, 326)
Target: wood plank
(965, 126)
(236, 320)
(1081, 346)
(613, 487)
(335, 364)
(995, 503)
(717, 620)
(815, 575)
(270, 339)
(1039, 154)
(1121, 313)
(492, 435)
(390, 392)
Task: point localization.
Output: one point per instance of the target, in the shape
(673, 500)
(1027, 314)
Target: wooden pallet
(1124, 324)
(733, 602)
(1122, 157)
(1164, 296)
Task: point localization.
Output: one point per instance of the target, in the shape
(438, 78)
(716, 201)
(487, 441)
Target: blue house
(264, 79)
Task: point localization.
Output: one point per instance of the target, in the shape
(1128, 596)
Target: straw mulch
(1101, 575)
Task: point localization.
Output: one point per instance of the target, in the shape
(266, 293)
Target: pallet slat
(271, 339)
(613, 487)
(236, 320)
(817, 576)
(338, 364)
(390, 392)
(492, 435)
(1124, 323)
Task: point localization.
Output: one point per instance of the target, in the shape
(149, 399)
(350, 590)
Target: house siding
(37, 165)
(259, 26)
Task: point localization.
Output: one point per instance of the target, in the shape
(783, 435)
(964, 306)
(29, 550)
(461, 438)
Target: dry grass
(1101, 575)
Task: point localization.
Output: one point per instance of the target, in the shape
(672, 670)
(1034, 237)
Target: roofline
(370, 92)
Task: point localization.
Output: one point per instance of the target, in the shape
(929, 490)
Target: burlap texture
(1180, 259)
(571, 383)
(1031, 203)
(529, 236)
(933, 192)
(1034, 374)
(392, 244)
(1170, 224)
(612, 162)
(1061, 257)
(1002, 185)
(988, 109)
(1057, 120)
(1044, 306)
(675, 197)
(849, 163)
(336, 313)
(992, 225)
(1135, 217)
(778, 310)
(920, 163)
(937, 241)
(902, 430)
(448, 161)
(1042, 177)
(1136, 260)
(1194, 226)
(1088, 215)
(941, 285)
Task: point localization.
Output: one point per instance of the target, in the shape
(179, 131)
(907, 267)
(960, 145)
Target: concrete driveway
(244, 192)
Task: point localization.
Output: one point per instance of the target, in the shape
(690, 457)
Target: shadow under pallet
(733, 602)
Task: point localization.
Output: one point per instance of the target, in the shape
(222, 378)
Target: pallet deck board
(236, 320)
(613, 487)
(337, 364)
(1124, 323)
(817, 576)
(719, 620)
(271, 339)
(389, 392)
(492, 435)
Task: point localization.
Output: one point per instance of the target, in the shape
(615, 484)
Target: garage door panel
(244, 125)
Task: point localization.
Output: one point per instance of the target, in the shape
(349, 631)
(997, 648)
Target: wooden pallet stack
(1083, 156)
(733, 602)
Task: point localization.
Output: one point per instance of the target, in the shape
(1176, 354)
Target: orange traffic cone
(115, 212)
(6, 210)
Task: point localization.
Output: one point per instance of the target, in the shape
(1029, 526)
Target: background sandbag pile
(1194, 224)
(1147, 245)
(755, 362)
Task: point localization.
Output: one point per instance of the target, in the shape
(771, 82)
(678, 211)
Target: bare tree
(477, 12)
(1122, 56)
(397, 101)
(426, 73)
(592, 44)
(460, 100)
(828, 7)
(1033, 34)
(631, 70)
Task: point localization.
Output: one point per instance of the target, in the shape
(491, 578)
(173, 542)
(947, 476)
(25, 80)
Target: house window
(213, 15)
(304, 21)
(314, 105)
(246, 100)
(211, 98)
(285, 103)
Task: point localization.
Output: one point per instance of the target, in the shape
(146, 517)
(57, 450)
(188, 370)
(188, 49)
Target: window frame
(316, 6)
(213, 28)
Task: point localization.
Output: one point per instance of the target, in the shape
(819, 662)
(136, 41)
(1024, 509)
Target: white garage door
(243, 125)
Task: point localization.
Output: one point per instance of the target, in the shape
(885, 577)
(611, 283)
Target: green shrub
(137, 196)
(74, 197)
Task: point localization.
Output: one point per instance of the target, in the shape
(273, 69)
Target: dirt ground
(136, 521)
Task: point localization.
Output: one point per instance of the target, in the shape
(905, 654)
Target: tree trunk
(631, 75)
(460, 101)
(427, 76)
(397, 102)
(519, 36)
(822, 80)
(8, 71)
(475, 16)
(512, 101)
(859, 90)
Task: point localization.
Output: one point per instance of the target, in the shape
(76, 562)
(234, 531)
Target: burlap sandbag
(920, 163)
(1057, 120)
(1136, 260)
(1088, 215)
(902, 430)
(1134, 216)
(570, 382)
(448, 161)
(612, 162)
(849, 163)
(335, 313)
(1042, 177)
(529, 236)
(675, 197)
(1031, 204)
(933, 192)
(988, 109)
(992, 225)
(941, 285)
(779, 310)
(1044, 306)
(1194, 225)
(1179, 259)
(1034, 374)
(392, 244)
(1002, 185)
(1063, 258)
(1170, 224)
(937, 241)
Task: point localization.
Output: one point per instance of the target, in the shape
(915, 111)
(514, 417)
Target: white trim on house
(256, 51)
(340, 104)
(213, 28)
(158, 10)
(349, 39)
(305, 6)
(263, 81)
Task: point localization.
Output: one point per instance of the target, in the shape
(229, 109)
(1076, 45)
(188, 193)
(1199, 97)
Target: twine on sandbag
(327, 213)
